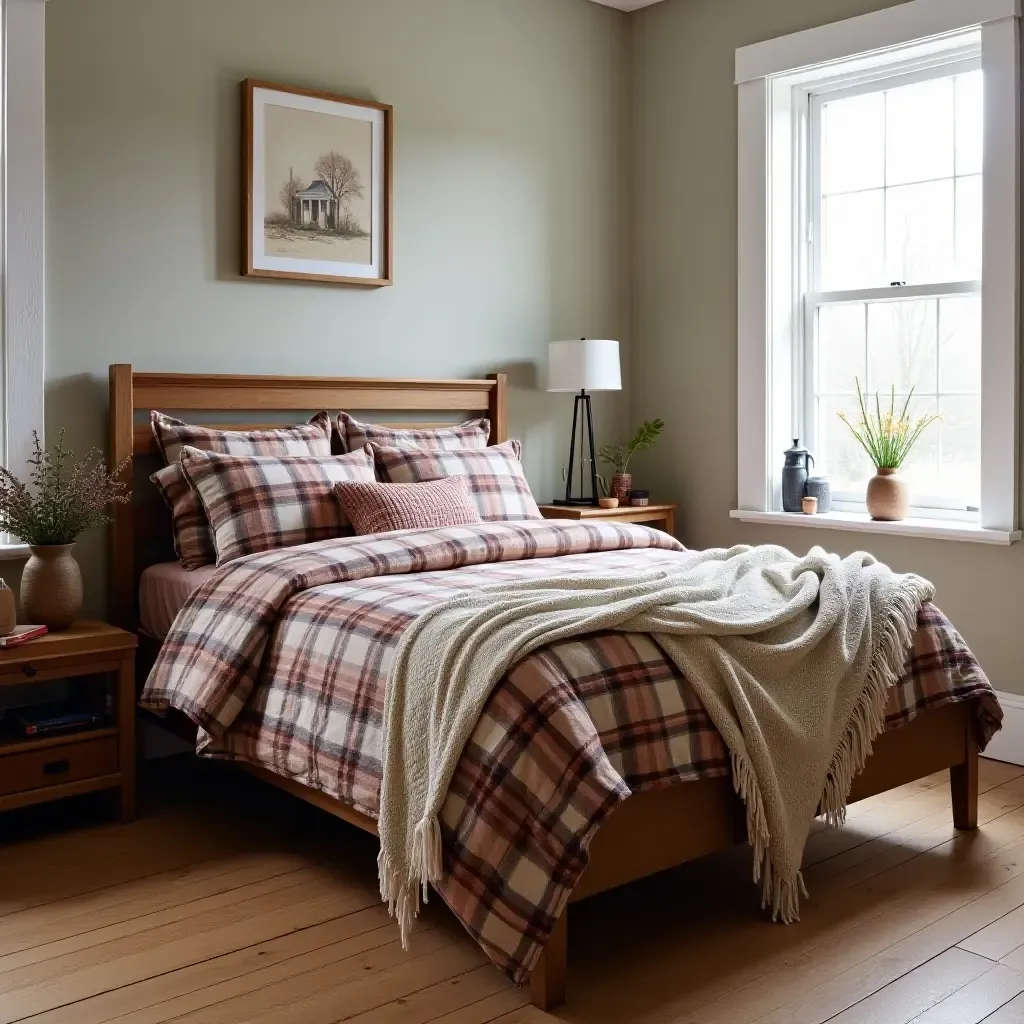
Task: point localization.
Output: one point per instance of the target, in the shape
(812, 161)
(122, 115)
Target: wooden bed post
(547, 982)
(963, 783)
(120, 561)
(497, 408)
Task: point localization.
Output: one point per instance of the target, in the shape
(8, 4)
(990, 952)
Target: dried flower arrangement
(888, 438)
(60, 504)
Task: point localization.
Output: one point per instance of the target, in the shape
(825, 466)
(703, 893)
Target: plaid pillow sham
(355, 434)
(381, 508)
(258, 503)
(312, 438)
(193, 538)
(495, 476)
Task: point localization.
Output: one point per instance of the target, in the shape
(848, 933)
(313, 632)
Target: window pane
(838, 455)
(960, 475)
(919, 233)
(919, 132)
(960, 344)
(853, 144)
(853, 239)
(921, 470)
(902, 346)
(968, 228)
(969, 122)
(840, 351)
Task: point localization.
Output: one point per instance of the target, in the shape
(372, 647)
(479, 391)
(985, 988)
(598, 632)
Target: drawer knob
(29, 670)
(56, 767)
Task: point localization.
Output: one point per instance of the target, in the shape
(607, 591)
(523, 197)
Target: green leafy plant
(887, 437)
(65, 498)
(620, 454)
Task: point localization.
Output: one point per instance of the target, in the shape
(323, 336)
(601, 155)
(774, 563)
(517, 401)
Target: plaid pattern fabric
(381, 508)
(312, 438)
(495, 475)
(193, 540)
(572, 730)
(257, 503)
(355, 434)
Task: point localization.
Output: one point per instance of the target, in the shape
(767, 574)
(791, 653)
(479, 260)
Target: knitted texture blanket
(792, 658)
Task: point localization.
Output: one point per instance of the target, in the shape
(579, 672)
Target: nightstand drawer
(78, 759)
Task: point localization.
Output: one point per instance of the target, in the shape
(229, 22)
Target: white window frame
(23, 233)
(772, 77)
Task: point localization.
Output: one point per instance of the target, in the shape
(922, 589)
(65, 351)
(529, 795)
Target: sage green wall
(511, 146)
(683, 356)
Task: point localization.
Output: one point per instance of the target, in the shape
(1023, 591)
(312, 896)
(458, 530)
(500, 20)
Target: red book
(21, 635)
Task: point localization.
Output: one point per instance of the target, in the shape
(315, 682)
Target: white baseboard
(1008, 743)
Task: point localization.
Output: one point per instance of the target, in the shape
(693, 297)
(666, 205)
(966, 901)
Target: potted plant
(888, 439)
(620, 454)
(64, 500)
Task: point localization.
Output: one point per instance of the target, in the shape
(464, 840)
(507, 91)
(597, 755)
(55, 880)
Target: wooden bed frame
(643, 836)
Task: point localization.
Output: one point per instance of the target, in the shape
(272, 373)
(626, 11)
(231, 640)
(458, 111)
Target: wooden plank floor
(229, 903)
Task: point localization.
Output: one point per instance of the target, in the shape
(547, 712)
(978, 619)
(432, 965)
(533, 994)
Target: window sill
(11, 552)
(938, 529)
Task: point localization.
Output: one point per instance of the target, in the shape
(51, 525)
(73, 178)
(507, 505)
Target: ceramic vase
(8, 614)
(622, 484)
(887, 498)
(51, 587)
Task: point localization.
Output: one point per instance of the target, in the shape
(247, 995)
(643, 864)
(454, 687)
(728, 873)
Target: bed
(940, 726)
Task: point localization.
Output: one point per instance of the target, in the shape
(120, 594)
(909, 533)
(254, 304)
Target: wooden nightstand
(36, 770)
(661, 517)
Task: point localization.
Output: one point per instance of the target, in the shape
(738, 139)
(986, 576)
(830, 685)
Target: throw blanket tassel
(402, 893)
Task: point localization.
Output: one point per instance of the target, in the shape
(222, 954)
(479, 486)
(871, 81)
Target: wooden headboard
(135, 527)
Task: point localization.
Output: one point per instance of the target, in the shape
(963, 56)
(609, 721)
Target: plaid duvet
(282, 657)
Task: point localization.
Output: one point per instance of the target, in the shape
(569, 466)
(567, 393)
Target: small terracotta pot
(608, 502)
(8, 614)
(810, 505)
(887, 497)
(621, 485)
(51, 587)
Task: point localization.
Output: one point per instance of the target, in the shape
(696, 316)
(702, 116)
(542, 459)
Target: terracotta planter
(622, 484)
(887, 497)
(608, 502)
(51, 587)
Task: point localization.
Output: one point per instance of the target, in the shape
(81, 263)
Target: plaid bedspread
(281, 659)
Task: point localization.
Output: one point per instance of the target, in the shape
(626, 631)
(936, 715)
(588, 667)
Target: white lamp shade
(584, 365)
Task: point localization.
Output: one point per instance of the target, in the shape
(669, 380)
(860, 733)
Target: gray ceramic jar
(818, 487)
(794, 476)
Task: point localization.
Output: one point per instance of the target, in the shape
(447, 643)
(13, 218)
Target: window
(894, 207)
(879, 243)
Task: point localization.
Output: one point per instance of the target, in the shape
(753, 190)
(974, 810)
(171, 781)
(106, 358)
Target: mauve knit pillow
(381, 508)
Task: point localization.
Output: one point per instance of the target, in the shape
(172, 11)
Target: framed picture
(317, 186)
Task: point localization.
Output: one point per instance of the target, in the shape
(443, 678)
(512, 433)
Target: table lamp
(585, 365)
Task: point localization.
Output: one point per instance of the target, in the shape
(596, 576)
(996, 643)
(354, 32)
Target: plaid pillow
(495, 476)
(258, 503)
(193, 540)
(312, 438)
(381, 508)
(471, 434)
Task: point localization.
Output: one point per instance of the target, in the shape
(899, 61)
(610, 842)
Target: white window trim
(767, 74)
(24, 233)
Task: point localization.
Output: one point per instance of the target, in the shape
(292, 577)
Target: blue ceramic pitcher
(794, 476)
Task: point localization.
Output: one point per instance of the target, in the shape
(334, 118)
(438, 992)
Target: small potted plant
(888, 439)
(618, 455)
(65, 499)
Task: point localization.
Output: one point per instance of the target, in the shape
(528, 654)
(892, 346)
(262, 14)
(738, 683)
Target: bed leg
(547, 982)
(963, 785)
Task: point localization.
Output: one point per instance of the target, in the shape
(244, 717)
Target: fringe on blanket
(402, 894)
(866, 722)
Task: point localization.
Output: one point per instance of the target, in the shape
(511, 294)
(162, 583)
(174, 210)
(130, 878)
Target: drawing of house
(315, 206)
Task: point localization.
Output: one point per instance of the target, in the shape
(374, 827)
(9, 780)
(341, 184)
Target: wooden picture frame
(316, 186)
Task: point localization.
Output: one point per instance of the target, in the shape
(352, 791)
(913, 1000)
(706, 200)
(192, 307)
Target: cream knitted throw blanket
(792, 658)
